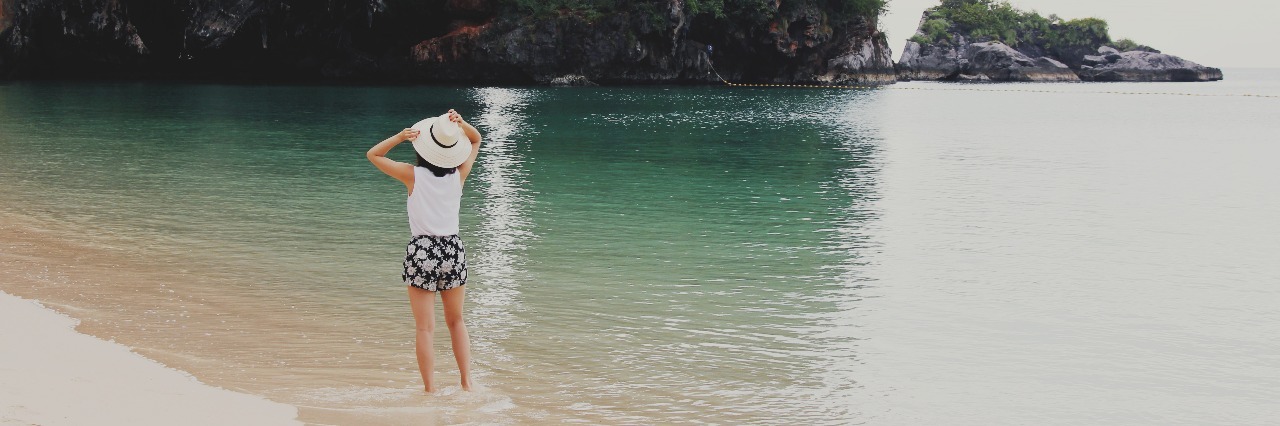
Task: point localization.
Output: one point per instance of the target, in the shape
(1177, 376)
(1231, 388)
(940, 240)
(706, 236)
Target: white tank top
(433, 204)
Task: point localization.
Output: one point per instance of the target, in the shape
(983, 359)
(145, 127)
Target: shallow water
(678, 254)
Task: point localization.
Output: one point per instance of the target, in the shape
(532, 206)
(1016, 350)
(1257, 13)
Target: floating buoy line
(969, 89)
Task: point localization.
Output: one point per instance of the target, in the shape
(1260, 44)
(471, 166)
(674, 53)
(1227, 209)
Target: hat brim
(435, 154)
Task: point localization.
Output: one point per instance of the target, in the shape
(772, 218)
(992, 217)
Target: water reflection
(706, 271)
(857, 183)
(503, 227)
(698, 256)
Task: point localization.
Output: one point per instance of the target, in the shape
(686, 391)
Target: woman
(434, 261)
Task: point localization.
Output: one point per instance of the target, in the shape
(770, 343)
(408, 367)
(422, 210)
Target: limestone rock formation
(1138, 65)
(800, 46)
(435, 41)
(986, 61)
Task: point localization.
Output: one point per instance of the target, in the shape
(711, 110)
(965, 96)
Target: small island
(986, 40)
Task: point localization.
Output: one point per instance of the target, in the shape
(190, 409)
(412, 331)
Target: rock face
(220, 39)
(1137, 65)
(986, 61)
(571, 80)
(636, 47)
(1002, 63)
(431, 41)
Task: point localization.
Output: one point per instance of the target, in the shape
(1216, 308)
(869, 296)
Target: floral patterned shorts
(435, 263)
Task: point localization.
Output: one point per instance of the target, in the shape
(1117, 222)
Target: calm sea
(653, 255)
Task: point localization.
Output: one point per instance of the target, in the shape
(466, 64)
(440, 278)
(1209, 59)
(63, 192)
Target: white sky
(1219, 33)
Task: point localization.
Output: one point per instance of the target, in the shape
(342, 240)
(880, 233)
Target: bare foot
(466, 386)
(429, 389)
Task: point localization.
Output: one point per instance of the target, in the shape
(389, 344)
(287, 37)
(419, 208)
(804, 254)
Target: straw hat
(441, 142)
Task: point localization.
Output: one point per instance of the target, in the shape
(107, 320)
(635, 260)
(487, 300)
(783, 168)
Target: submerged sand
(53, 375)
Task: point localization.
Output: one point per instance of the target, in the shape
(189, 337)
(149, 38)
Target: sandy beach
(53, 375)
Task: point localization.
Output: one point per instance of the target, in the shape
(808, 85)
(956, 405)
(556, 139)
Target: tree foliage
(863, 8)
(1125, 45)
(935, 29)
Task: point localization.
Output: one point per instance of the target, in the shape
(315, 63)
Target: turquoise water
(680, 254)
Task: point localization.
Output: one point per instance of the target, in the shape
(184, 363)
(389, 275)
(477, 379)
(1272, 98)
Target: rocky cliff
(1110, 64)
(502, 41)
(666, 44)
(982, 61)
(989, 41)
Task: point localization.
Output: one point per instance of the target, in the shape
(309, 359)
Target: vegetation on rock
(992, 20)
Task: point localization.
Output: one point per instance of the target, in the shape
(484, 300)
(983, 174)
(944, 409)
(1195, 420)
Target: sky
(1219, 33)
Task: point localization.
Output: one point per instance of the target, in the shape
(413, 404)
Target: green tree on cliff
(992, 20)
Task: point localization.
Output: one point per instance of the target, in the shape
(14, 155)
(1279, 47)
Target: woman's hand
(408, 134)
(455, 117)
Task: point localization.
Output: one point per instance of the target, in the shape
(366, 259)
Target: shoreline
(115, 293)
(54, 374)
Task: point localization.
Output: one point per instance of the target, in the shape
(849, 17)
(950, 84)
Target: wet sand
(154, 303)
(54, 375)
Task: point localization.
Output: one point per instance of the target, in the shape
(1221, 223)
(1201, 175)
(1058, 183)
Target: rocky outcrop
(435, 41)
(572, 80)
(1058, 51)
(1143, 65)
(215, 39)
(24, 28)
(866, 61)
(930, 61)
(1002, 63)
(539, 50)
(798, 47)
(986, 61)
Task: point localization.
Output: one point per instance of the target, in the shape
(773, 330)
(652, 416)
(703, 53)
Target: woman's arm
(378, 156)
(473, 135)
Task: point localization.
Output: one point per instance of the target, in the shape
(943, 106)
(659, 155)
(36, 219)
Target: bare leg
(452, 299)
(424, 317)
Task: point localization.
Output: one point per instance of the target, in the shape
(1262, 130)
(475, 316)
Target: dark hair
(435, 170)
